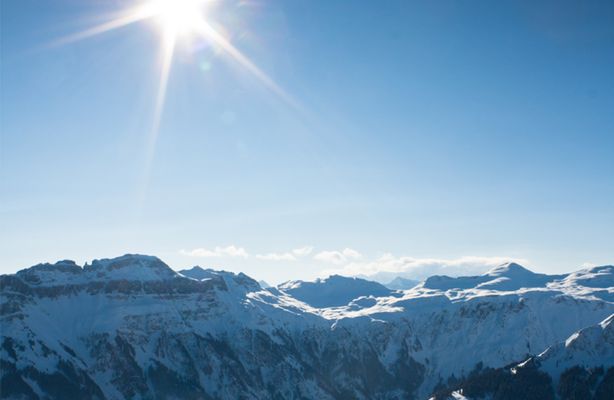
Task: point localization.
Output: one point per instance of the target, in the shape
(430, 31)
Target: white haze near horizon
(309, 263)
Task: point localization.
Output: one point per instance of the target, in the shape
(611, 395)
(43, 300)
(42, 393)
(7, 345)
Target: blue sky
(423, 132)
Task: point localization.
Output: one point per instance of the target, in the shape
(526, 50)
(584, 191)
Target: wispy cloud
(218, 251)
(338, 256)
(302, 251)
(240, 252)
(388, 266)
(276, 257)
(292, 255)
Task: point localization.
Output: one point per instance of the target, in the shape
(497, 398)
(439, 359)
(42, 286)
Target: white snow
(447, 324)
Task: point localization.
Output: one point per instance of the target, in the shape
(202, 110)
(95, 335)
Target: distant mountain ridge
(333, 291)
(131, 327)
(400, 283)
(505, 277)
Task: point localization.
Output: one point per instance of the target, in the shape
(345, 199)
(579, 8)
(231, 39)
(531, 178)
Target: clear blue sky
(428, 129)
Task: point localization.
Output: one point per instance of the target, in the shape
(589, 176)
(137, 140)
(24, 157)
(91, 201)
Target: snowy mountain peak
(510, 269)
(130, 267)
(46, 274)
(68, 266)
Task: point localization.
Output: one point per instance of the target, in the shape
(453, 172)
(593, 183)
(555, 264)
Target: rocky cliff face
(131, 327)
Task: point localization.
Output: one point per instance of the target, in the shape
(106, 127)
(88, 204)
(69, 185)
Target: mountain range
(132, 327)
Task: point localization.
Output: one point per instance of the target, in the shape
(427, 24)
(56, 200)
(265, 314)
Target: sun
(177, 17)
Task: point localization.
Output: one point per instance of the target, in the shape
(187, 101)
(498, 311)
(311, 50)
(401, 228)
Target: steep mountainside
(581, 367)
(589, 348)
(131, 327)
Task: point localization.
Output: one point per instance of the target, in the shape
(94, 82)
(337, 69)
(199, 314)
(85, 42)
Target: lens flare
(177, 19)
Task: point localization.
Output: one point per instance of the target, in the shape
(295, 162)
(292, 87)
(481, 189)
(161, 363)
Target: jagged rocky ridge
(131, 327)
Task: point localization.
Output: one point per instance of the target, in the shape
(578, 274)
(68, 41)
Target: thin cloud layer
(292, 255)
(387, 267)
(276, 257)
(303, 251)
(338, 257)
(218, 251)
(236, 251)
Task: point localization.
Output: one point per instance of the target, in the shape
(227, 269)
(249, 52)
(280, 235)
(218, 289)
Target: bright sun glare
(178, 17)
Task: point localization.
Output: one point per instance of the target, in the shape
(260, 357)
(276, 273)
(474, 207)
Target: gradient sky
(427, 129)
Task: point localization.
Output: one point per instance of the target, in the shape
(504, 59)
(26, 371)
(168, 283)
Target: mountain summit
(510, 269)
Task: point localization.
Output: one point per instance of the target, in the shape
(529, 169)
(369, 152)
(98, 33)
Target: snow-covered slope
(131, 327)
(590, 347)
(580, 367)
(596, 281)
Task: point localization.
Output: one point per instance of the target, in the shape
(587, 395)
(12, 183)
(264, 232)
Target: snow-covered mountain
(131, 327)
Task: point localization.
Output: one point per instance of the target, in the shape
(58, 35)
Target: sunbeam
(166, 60)
(129, 17)
(207, 31)
(178, 18)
